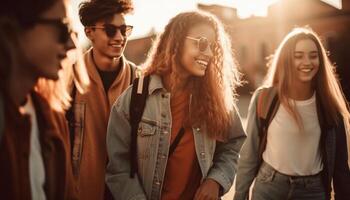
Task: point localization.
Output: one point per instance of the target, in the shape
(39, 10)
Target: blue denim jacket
(333, 150)
(217, 160)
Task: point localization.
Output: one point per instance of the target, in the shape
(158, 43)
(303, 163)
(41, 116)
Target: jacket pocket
(146, 137)
(146, 129)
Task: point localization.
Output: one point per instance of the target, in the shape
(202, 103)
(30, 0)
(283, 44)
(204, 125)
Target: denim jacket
(217, 160)
(333, 151)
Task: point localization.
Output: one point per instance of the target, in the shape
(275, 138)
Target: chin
(115, 55)
(200, 74)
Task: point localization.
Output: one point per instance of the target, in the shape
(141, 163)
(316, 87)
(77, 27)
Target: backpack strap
(176, 141)
(267, 107)
(135, 72)
(139, 95)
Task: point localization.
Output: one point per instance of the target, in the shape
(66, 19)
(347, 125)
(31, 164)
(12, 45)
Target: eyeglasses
(62, 26)
(203, 43)
(111, 29)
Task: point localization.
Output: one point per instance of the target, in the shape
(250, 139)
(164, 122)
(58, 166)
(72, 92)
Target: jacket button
(157, 183)
(198, 129)
(165, 132)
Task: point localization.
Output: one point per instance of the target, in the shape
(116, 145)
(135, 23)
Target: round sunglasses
(111, 29)
(61, 24)
(203, 43)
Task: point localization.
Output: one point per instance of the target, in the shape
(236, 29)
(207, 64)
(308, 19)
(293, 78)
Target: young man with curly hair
(110, 74)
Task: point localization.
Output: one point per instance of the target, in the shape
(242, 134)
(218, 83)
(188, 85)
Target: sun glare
(248, 8)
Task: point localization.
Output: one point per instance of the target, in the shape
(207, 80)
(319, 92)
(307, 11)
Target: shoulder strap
(176, 141)
(139, 95)
(267, 105)
(133, 70)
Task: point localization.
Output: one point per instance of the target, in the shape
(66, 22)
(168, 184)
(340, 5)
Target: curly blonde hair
(214, 95)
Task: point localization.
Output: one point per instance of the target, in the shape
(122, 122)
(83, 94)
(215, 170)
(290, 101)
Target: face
(109, 38)
(46, 44)
(197, 53)
(306, 61)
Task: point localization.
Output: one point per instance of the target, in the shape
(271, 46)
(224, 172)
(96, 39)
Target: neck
(301, 91)
(180, 87)
(105, 63)
(18, 90)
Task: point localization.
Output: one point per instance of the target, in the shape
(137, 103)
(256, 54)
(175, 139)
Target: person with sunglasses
(190, 103)
(35, 160)
(111, 73)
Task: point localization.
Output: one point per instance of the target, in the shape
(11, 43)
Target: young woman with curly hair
(193, 78)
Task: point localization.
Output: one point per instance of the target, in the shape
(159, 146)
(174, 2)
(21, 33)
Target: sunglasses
(62, 25)
(111, 29)
(203, 43)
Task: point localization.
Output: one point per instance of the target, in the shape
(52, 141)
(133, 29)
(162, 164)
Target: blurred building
(255, 38)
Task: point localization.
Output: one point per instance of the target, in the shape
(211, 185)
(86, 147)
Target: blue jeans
(272, 185)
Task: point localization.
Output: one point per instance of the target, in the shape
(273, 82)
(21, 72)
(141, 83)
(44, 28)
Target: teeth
(202, 62)
(306, 70)
(116, 45)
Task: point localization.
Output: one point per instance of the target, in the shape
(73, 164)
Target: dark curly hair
(93, 11)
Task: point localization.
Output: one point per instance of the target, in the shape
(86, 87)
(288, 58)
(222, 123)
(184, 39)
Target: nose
(306, 60)
(70, 43)
(208, 52)
(118, 35)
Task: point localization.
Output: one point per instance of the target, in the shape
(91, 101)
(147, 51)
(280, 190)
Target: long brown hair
(213, 96)
(327, 86)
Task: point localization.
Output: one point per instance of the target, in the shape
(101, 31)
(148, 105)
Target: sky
(154, 14)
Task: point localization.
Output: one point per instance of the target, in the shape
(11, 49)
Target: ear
(89, 32)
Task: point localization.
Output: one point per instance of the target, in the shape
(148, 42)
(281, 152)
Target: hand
(208, 190)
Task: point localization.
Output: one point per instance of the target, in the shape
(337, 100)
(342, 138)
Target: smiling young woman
(302, 149)
(191, 93)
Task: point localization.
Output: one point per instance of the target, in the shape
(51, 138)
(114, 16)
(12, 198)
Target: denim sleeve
(341, 178)
(226, 155)
(118, 143)
(248, 161)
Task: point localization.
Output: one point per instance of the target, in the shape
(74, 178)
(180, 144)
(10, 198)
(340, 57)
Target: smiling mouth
(116, 45)
(202, 63)
(306, 70)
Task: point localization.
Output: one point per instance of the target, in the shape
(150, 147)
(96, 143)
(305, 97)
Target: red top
(183, 174)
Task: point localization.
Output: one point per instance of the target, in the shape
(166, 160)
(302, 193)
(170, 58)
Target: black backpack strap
(267, 106)
(176, 141)
(139, 95)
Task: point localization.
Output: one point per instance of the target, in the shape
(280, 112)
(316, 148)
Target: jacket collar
(155, 84)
